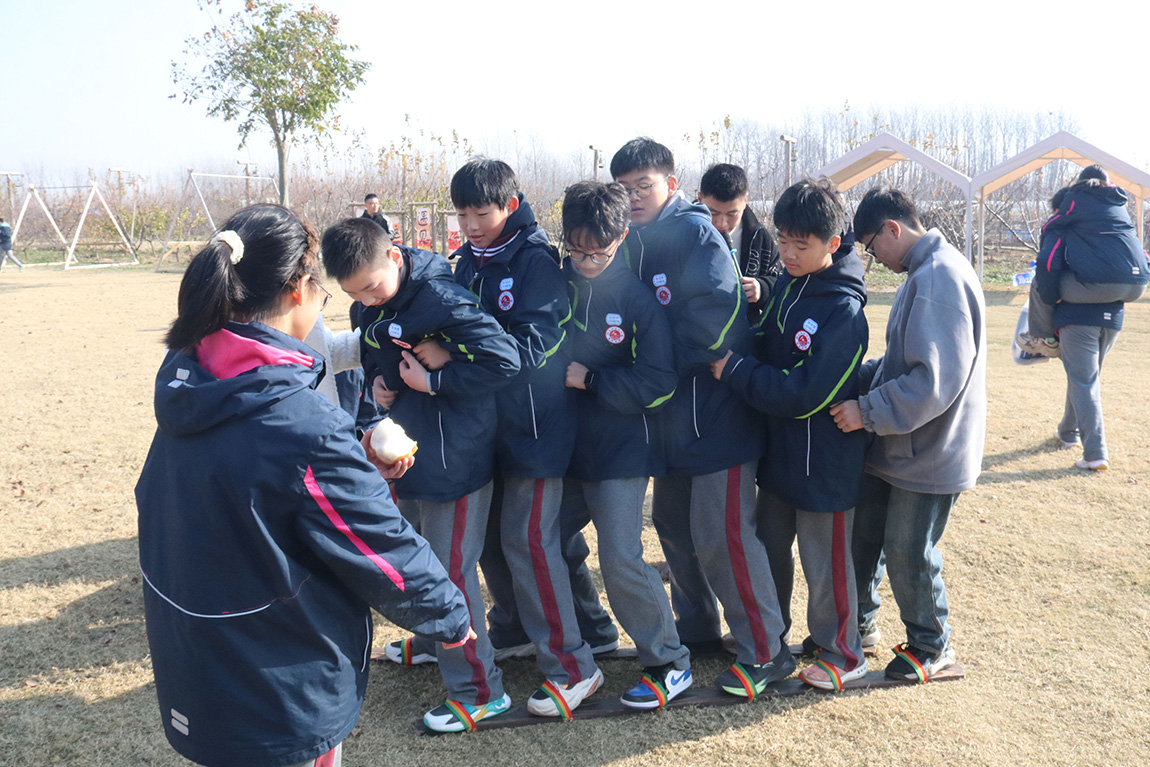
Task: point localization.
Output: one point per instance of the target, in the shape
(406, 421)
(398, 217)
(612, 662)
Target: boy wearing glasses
(509, 264)
(704, 509)
(924, 402)
(812, 338)
(408, 296)
(622, 367)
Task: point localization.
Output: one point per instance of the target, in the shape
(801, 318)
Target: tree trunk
(282, 149)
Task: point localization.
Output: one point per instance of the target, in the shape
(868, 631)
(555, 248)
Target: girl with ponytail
(266, 534)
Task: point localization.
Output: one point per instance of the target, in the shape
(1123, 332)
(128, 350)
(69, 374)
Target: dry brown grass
(1046, 566)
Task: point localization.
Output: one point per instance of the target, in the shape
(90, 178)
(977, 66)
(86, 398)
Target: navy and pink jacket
(1092, 237)
(522, 287)
(265, 540)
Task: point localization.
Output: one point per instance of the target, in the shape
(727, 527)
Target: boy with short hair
(409, 296)
(622, 368)
(372, 212)
(927, 391)
(724, 189)
(813, 335)
(704, 509)
(509, 264)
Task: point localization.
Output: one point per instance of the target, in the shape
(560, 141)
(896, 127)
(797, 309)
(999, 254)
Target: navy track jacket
(1092, 236)
(265, 537)
(455, 426)
(812, 338)
(524, 289)
(621, 335)
(682, 259)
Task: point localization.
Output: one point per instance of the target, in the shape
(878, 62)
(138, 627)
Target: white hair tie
(233, 241)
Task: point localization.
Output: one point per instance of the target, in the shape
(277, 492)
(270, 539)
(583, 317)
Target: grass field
(1048, 570)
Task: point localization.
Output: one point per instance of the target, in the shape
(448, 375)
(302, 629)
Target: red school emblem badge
(803, 340)
(506, 300)
(663, 293)
(615, 335)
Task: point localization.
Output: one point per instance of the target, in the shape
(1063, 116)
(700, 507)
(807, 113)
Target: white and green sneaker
(454, 716)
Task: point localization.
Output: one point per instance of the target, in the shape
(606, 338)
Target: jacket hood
(846, 274)
(418, 267)
(231, 373)
(521, 220)
(1105, 195)
(679, 206)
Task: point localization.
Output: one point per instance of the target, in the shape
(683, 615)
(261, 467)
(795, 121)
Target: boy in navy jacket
(813, 336)
(704, 509)
(508, 263)
(622, 366)
(409, 296)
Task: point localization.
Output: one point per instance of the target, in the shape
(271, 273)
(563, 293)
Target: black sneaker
(914, 665)
(749, 680)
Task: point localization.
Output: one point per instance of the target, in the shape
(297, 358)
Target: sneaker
(827, 676)
(1068, 444)
(553, 699)
(1100, 465)
(915, 665)
(454, 716)
(514, 651)
(605, 647)
(870, 639)
(748, 680)
(401, 652)
(808, 648)
(1047, 347)
(658, 686)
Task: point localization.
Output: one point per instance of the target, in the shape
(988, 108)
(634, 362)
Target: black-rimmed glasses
(600, 258)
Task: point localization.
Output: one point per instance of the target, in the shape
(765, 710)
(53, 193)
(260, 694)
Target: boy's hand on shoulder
(752, 288)
(718, 365)
(413, 373)
(431, 354)
(576, 375)
(847, 415)
(384, 397)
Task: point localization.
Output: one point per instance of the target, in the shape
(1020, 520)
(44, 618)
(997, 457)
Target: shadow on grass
(101, 628)
(91, 563)
(397, 697)
(1039, 475)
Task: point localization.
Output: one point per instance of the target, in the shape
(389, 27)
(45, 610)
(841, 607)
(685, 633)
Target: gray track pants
(719, 513)
(455, 530)
(825, 552)
(531, 545)
(1084, 347)
(634, 589)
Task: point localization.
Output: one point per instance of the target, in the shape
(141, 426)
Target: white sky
(86, 83)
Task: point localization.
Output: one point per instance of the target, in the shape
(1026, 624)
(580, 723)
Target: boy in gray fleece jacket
(925, 400)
